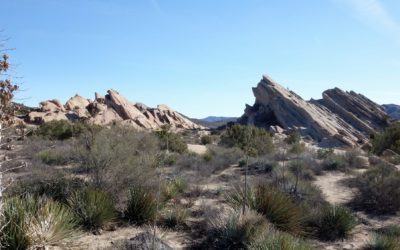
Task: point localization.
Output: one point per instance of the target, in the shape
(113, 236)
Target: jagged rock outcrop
(111, 108)
(340, 118)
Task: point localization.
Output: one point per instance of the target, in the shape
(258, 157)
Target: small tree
(7, 90)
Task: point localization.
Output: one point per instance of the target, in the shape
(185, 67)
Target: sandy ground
(332, 188)
(198, 149)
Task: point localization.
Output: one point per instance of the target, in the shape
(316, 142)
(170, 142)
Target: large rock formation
(111, 108)
(340, 118)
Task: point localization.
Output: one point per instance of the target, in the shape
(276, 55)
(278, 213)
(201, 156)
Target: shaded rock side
(340, 118)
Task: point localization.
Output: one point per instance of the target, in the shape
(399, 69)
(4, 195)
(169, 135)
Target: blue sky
(202, 57)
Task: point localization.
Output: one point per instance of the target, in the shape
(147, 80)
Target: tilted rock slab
(340, 118)
(111, 108)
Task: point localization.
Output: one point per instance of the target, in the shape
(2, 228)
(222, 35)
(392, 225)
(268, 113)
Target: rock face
(339, 118)
(111, 108)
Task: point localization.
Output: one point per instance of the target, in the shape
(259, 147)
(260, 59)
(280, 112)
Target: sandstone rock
(340, 118)
(389, 153)
(276, 129)
(122, 106)
(42, 117)
(51, 106)
(76, 103)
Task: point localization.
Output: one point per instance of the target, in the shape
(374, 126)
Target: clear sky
(202, 57)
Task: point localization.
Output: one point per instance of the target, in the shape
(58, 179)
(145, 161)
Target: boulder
(51, 106)
(77, 103)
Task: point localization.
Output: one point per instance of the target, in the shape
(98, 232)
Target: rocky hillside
(110, 108)
(392, 110)
(339, 118)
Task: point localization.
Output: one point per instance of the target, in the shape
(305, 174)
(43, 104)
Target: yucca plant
(238, 230)
(31, 223)
(141, 205)
(335, 222)
(51, 224)
(279, 209)
(93, 208)
(279, 241)
(384, 242)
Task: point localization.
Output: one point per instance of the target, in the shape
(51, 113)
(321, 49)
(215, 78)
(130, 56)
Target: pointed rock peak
(164, 107)
(268, 80)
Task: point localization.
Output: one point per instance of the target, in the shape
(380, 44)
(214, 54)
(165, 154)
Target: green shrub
(171, 141)
(293, 138)
(263, 165)
(206, 139)
(51, 157)
(387, 139)
(378, 190)
(29, 222)
(60, 130)
(335, 162)
(93, 208)
(174, 187)
(384, 242)
(324, 153)
(141, 205)
(297, 148)
(238, 230)
(278, 241)
(175, 217)
(248, 138)
(335, 222)
(391, 230)
(277, 207)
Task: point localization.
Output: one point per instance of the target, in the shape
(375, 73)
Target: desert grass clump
(275, 240)
(175, 217)
(35, 223)
(174, 187)
(238, 230)
(334, 222)
(335, 162)
(276, 206)
(141, 205)
(92, 207)
(384, 242)
(51, 157)
(378, 190)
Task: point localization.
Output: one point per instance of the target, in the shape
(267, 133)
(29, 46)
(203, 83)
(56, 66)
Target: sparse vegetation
(378, 190)
(60, 130)
(387, 139)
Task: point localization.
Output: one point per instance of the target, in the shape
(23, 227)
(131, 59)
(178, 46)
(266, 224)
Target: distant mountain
(392, 110)
(214, 121)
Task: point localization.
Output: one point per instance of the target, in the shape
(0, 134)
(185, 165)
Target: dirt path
(333, 189)
(198, 149)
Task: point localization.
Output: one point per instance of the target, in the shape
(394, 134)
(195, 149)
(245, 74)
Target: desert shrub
(324, 153)
(206, 139)
(335, 162)
(93, 208)
(28, 223)
(222, 158)
(115, 159)
(384, 242)
(141, 205)
(52, 157)
(279, 241)
(60, 130)
(264, 165)
(297, 148)
(55, 186)
(238, 230)
(378, 190)
(353, 159)
(301, 171)
(171, 141)
(334, 222)
(387, 139)
(248, 137)
(175, 217)
(293, 137)
(391, 230)
(174, 187)
(277, 207)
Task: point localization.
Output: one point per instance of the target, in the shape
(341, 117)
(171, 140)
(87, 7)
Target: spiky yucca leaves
(93, 208)
(277, 207)
(141, 206)
(238, 230)
(335, 222)
(51, 224)
(35, 223)
(275, 240)
(384, 242)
